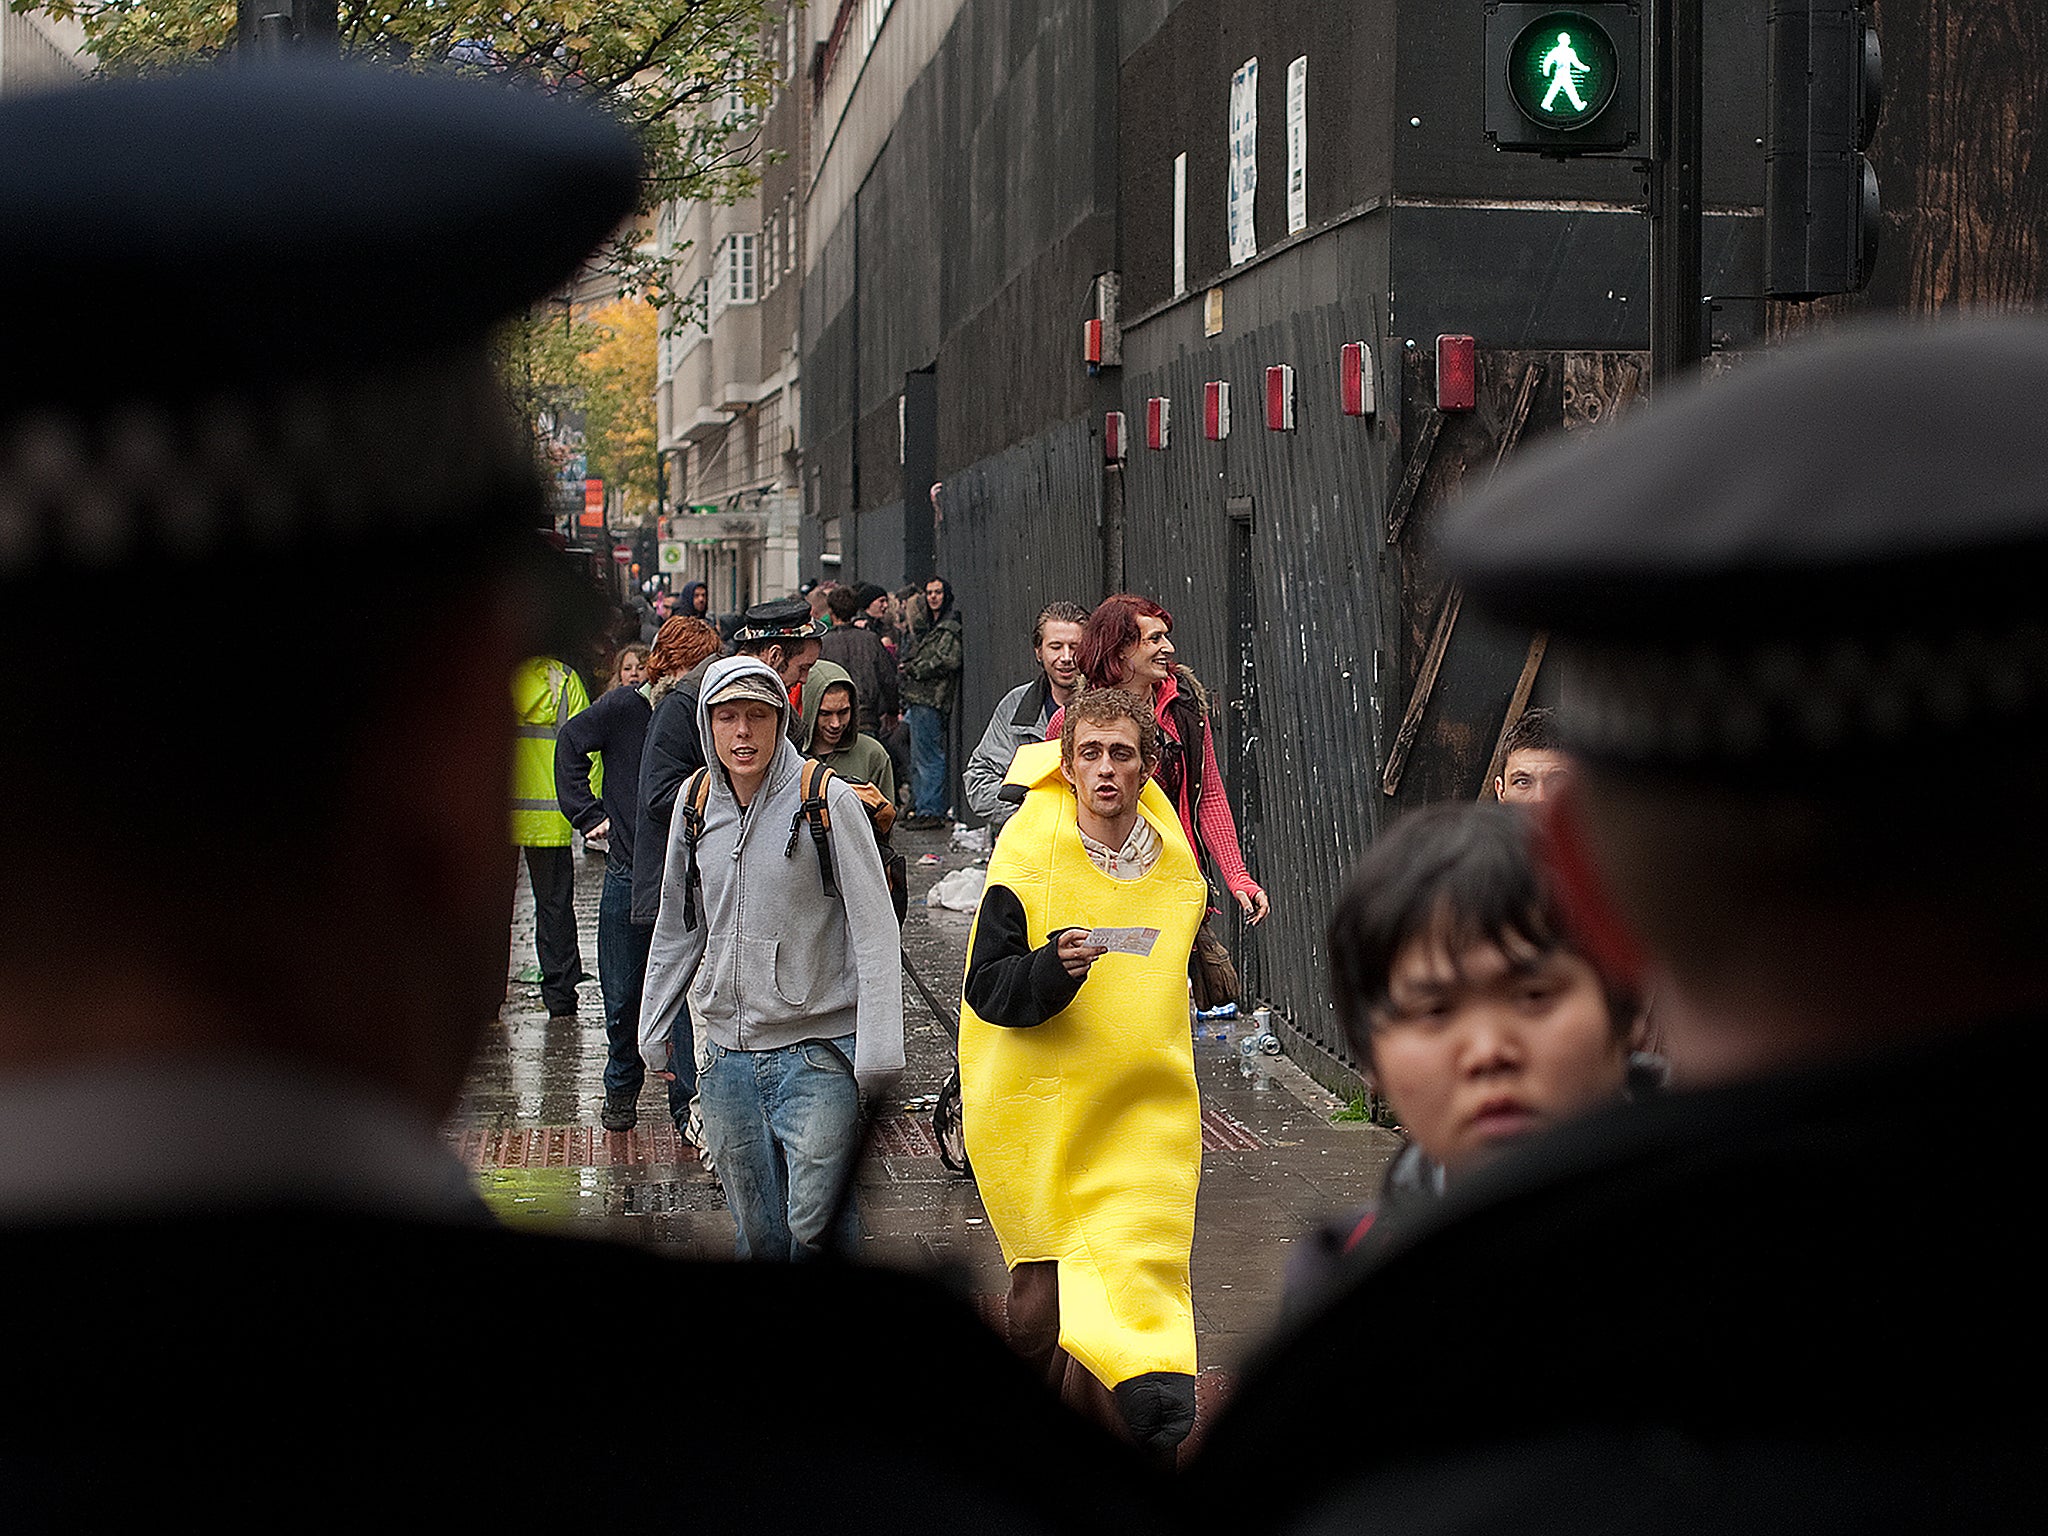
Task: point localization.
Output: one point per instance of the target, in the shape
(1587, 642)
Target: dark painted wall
(1538, 277)
(1440, 145)
(831, 325)
(1002, 207)
(1175, 99)
(1959, 161)
(1301, 708)
(1020, 529)
(969, 250)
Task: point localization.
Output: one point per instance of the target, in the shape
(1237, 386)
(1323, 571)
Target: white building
(727, 389)
(38, 52)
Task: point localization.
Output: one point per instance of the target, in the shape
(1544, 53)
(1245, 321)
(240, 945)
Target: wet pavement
(1274, 1162)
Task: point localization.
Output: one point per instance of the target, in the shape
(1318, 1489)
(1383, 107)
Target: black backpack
(696, 796)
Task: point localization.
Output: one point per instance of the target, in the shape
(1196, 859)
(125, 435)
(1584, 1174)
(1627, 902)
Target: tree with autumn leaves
(618, 416)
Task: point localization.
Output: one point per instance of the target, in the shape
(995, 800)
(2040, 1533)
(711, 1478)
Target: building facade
(39, 52)
(728, 392)
(1274, 211)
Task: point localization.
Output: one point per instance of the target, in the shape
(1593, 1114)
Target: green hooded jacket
(860, 759)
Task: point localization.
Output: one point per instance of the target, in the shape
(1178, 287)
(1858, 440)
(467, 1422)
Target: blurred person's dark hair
(1460, 877)
(1533, 732)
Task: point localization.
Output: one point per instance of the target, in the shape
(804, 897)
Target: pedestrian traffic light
(1824, 89)
(1565, 80)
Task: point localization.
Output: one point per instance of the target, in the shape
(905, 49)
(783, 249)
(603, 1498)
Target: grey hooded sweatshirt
(772, 960)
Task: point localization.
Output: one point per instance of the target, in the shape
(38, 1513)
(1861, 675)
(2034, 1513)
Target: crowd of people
(664, 770)
(1786, 1290)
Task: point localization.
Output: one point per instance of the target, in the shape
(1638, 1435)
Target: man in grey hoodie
(797, 995)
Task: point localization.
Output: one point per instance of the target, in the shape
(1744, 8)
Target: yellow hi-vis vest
(1085, 1131)
(545, 693)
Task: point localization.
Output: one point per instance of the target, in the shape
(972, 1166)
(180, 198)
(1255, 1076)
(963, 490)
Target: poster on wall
(1297, 145)
(1244, 161)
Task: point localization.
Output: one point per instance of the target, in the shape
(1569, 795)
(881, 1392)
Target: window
(770, 270)
(732, 272)
(740, 268)
(788, 233)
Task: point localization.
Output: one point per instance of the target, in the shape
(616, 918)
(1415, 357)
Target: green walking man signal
(1565, 81)
(1565, 68)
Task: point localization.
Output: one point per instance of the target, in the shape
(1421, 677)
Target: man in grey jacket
(797, 994)
(1021, 717)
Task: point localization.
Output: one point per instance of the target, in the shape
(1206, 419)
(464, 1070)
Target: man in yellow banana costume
(1077, 1071)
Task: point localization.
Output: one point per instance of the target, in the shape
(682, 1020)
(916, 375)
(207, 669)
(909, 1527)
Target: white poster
(1244, 161)
(1180, 224)
(1297, 145)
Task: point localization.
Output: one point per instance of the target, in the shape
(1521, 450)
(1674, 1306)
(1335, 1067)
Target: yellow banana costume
(1085, 1130)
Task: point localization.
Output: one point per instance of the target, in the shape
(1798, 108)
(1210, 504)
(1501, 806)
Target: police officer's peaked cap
(1837, 547)
(250, 304)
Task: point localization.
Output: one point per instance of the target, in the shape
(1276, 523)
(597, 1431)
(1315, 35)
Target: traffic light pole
(1677, 300)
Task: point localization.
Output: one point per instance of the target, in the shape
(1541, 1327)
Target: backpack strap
(695, 797)
(816, 776)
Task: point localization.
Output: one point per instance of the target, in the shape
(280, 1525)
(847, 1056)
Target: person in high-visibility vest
(545, 694)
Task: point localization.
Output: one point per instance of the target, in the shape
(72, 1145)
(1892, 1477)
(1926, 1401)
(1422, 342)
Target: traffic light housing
(1564, 79)
(1824, 90)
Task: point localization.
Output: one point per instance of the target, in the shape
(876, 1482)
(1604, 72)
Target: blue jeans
(783, 1128)
(621, 973)
(927, 760)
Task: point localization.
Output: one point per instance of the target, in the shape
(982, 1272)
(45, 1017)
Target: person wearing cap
(252, 1283)
(782, 634)
(546, 695)
(874, 616)
(1772, 600)
(794, 988)
(785, 636)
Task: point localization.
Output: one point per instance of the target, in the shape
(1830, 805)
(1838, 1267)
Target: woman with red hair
(1128, 643)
